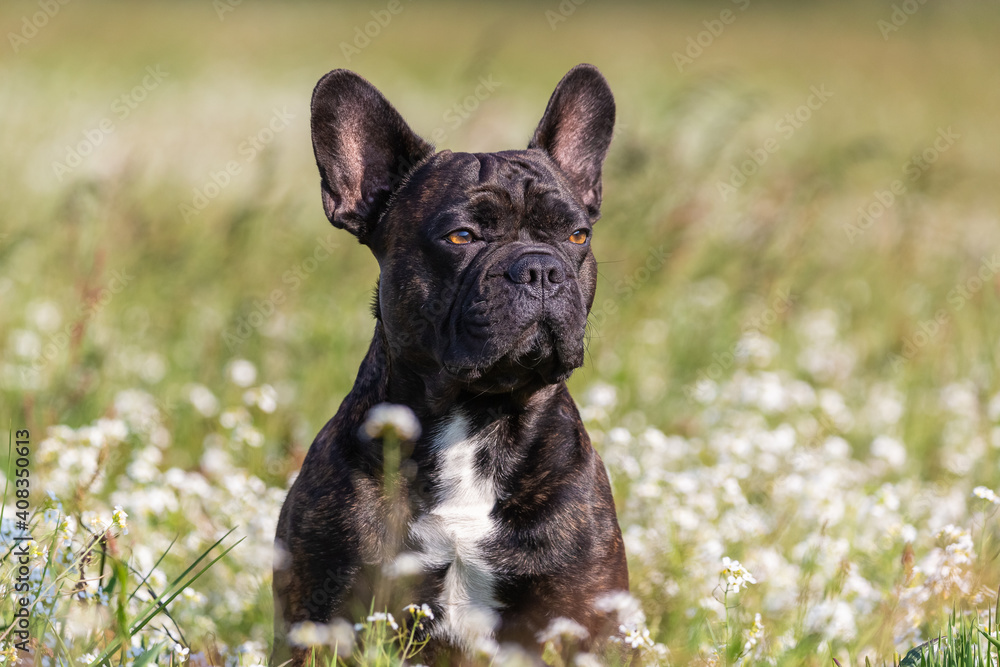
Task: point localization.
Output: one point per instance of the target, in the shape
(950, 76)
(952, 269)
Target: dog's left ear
(576, 131)
(364, 149)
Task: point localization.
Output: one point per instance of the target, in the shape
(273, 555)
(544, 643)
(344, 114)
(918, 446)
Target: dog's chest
(451, 534)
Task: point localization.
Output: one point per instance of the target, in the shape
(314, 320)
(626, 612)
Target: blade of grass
(155, 565)
(991, 640)
(10, 460)
(180, 590)
(151, 612)
(149, 655)
(193, 565)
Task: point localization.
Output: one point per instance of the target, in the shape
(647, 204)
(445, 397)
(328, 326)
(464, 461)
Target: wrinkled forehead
(523, 185)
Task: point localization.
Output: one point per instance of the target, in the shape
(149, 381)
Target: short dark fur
(494, 326)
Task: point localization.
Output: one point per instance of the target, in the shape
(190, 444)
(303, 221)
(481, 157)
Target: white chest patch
(451, 532)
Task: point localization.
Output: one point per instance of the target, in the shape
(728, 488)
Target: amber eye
(579, 237)
(461, 237)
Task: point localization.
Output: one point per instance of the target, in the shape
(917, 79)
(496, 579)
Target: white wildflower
(756, 348)
(112, 430)
(181, 652)
(97, 523)
(45, 315)
(234, 417)
(307, 634)
(193, 596)
(264, 397)
(387, 419)
(890, 450)
(248, 435)
(885, 405)
(242, 373)
(704, 391)
(138, 409)
(587, 660)
(958, 545)
(26, 344)
(753, 634)
(562, 627)
(993, 408)
(203, 400)
(338, 632)
(601, 395)
(419, 611)
(736, 576)
(153, 368)
(960, 399)
(404, 565)
(119, 519)
(623, 604)
(383, 617)
(832, 620)
(636, 636)
(986, 494)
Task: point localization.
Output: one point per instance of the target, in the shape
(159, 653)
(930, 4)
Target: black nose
(539, 273)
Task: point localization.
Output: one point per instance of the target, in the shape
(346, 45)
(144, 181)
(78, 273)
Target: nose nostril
(536, 271)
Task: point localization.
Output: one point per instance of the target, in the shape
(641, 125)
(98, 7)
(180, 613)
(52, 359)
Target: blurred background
(800, 231)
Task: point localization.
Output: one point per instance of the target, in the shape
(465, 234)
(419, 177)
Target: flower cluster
(419, 612)
(986, 494)
(383, 617)
(338, 634)
(809, 486)
(735, 576)
(112, 497)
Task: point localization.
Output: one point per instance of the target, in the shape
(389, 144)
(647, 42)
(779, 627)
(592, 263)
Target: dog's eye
(461, 237)
(579, 237)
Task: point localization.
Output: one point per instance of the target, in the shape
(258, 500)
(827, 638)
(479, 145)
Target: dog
(486, 282)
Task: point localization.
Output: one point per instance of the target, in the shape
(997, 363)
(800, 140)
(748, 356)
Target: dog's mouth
(534, 358)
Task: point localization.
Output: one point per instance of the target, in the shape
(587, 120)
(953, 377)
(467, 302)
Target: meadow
(792, 369)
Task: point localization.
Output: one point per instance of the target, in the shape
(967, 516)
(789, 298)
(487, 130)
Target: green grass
(962, 643)
(114, 308)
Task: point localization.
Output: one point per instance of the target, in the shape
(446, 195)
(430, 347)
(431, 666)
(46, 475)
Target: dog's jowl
(499, 514)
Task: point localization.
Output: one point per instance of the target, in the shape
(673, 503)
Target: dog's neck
(384, 378)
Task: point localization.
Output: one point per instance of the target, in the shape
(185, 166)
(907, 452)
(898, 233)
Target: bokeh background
(792, 357)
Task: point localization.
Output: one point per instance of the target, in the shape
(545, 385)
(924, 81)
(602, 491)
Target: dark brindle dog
(487, 277)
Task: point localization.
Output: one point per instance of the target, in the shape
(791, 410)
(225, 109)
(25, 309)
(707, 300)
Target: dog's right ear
(364, 149)
(576, 131)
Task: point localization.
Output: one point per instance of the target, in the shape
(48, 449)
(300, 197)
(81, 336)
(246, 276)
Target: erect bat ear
(576, 131)
(364, 149)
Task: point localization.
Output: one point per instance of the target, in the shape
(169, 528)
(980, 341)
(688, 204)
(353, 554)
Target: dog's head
(487, 274)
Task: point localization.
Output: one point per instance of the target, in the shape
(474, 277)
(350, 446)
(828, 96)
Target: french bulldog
(499, 514)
